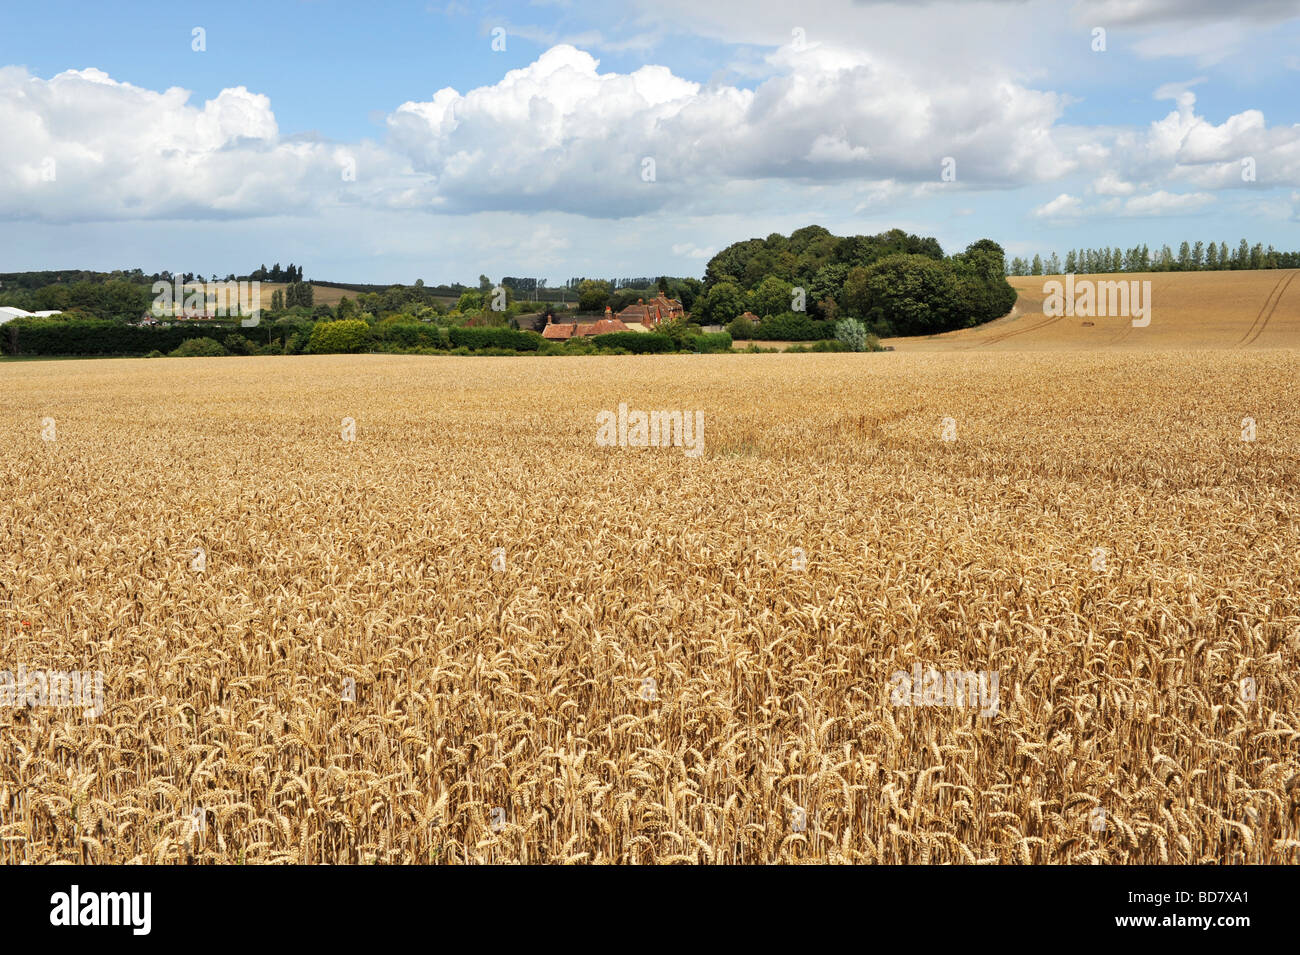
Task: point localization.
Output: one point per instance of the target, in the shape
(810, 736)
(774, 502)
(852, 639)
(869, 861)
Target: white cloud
(1064, 206)
(1111, 185)
(560, 134)
(82, 146)
(1163, 203)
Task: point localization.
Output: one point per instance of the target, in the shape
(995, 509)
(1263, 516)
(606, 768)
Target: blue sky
(531, 161)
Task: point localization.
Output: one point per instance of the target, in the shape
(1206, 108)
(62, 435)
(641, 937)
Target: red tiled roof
(602, 327)
(559, 331)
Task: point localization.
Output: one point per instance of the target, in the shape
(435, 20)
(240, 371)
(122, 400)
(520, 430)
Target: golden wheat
(672, 659)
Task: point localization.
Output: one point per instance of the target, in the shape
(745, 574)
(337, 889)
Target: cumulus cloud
(82, 146)
(1064, 206)
(1160, 203)
(560, 134)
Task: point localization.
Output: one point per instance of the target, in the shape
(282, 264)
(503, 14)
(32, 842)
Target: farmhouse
(650, 314)
(562, 331)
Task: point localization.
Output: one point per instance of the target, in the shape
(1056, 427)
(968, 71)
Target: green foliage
(636, 343)
(915, 294)
(712, 343)
(199, 348)
(411, 335)
(593, 295)
(797, 259)
(741, 329)
(239, 345)
(479, 338)
(721, 304)
(852, 333)
(793, 327)
(60, 336)
(347, 336)
(834, 344)
(772, 297)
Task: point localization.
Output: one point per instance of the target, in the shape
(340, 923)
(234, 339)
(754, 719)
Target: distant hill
(1235, 309)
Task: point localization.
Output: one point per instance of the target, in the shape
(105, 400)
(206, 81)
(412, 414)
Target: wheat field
(472, 635)
(1251, 309)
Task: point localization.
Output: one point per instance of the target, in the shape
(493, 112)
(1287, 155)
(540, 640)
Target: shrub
(199, 348)
(638, 343)
(741, 329)
(712, 342)
(793, 327)
(347, 336)
(828, 344)
(478, 338)
(155, 354)
(852, 333)
(239, 345)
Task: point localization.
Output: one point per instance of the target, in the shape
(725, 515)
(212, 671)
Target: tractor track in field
(1266, 312)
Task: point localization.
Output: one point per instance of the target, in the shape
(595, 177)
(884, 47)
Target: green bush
(852, 333)
(712, 342)
(793, 327)
(741, 329)
(637, 343)
(199, 348)
(155, 354)
(74, 336)
(830, 344)
(347, 336)
(476, 338)
(404, 335)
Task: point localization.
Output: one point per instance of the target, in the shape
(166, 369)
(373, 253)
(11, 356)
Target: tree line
(1191, 257)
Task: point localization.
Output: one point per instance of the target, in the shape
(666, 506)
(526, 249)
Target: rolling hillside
(1230, 310)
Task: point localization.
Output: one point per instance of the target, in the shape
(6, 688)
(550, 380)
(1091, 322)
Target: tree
(1071, 262)
(772, 297)
(1198, 255)
(852, 333)
(1054, 265)
(914, 294)
(469, 301)
(593, 295)
(1184, 256)
(1212, 257)
(721, 304)
(335, 337)
(1037, 267)
(484, 283)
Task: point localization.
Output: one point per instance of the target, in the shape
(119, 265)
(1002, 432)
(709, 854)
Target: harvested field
(671, 658)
